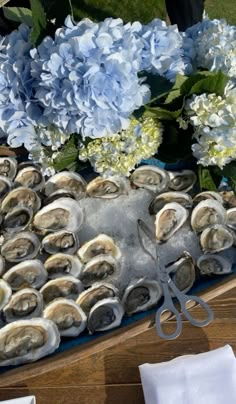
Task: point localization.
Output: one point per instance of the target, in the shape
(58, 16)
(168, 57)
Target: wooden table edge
(71, 356)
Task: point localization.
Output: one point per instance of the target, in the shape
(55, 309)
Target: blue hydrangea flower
(163, 51)
(17, 110)
(88, 76)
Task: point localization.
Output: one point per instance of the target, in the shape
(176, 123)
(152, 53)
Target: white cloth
(22, 400)
(207, 378)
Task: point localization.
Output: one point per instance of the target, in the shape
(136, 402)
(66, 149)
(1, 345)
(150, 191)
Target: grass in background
(146, 10)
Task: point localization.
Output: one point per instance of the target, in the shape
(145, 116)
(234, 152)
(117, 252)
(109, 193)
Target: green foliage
(68, 156)
(229, 171)
(18, 14)
(40, 23)
(206, 181)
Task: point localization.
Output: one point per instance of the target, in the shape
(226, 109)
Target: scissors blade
(149, 234)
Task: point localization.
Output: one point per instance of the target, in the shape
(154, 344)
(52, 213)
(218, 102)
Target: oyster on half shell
(27, 341)
(65, 286)
(8, 167)
(231, 218)
(105, 315)
(209, 264)
(150, 177)
(183, 272)
(169, 219)
(30, 273)
(2, 265)
(5, 186)
(24, 304)
(67, 181)
(207, 213)
(141, 295)
(60, 264)
(102, 244)
(62, 214)
(17, 219)
(21, 196)
(202, 196)
(182, 180)
(107, 188)
(30, 177)
(5, 293)
(62, 241)
(21, 246)
(216, 238)
(167, 197)
(67, 315)
(99, 268)
(98, 291)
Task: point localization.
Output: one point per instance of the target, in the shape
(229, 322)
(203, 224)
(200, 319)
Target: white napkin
(22, 400)
(207, 378)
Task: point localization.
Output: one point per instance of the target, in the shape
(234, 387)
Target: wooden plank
(89, 364)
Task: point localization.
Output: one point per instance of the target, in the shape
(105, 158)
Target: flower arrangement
(110, 94)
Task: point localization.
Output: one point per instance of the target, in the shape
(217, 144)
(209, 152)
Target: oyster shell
(2, 265)
(182, 180)
(17, 219)
(62, 214)
(170, 219)
(216, 238)
(5, 186)
(61, 193)
(8, 167)
(102, 244)
(229, 199)
(207, 213)
(105, 315)
(141, 295)
(150, 177)
(107, 188)
(231, 218)
(60, 264)
(214, 264)
(67, 315)
(24, 304)
(183, 272)
(202, 196)
(167, 197)
(30, 273)
(21, 196)
(102, 267)
(98, 291)
(62, 241)
(21, 246)
(30, 177)
(65, 286)
(27, 341)
(66, 181)
(5, 293)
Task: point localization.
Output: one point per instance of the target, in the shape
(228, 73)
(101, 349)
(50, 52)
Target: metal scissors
(169, 286)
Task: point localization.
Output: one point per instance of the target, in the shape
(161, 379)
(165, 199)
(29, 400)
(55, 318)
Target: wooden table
(107, 372)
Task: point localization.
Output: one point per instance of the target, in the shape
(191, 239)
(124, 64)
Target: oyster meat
(62, 241)
(183, 272)
(65, 286)
(21, 196)
(66, 181)
(102, 267)
(30, 177)
(62, 214)
(5, 186)
(141, 295)
(5, 293)
(107, 188)
(67, 315)
(207, 213)
(17, 219)
(216, 238)
(24, 304)
(150, 177)
(167, 197)
(209, 264)
(30, 273)
(102, 244)
(21, 246)
(169, 219)
(60, 264)
(105, 315)
(182, 180)
(231, 218)
(98, 291)
(27, 341)
(8, 167)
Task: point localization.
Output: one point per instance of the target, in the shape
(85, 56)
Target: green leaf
(39, 22)
(205, 179)
(68, 156)
(18, 14)
(162, 113)
(229, 171)
(175, 92)
(214, 83)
